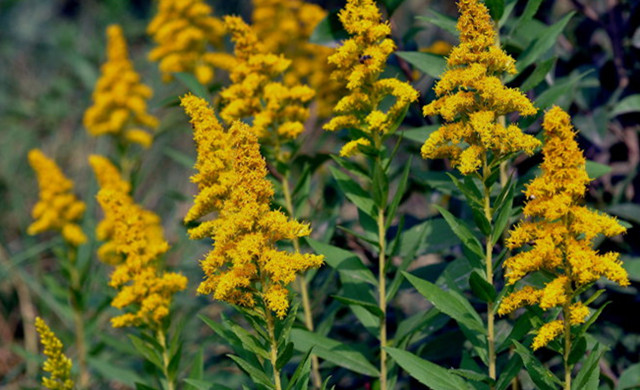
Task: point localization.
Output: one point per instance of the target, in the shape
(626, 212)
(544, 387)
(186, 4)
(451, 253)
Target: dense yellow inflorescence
(359, 61)
(244, 266)
(108, 176)
(285, 27)
(560, 232)
(185, 32)
(471, 97)
(58, 365)
(120, 98)
(138, 241)
(58, 208)
(278, 110)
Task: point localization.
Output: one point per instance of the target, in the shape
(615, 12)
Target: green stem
(78, 320)
(567, 345)
(274, 349)
(382, 300)
(302, 286)
(491, 344)
(166, 359)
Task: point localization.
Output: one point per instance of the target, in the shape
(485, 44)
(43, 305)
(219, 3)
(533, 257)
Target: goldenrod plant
(58, 365)
(243, 205)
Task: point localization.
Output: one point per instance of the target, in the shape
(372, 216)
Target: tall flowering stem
(58, 209)
(561, 233)
(360, 60)
(473, 102)
(134, 245)
(245, 268)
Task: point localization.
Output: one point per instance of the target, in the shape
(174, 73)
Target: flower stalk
(273, 350)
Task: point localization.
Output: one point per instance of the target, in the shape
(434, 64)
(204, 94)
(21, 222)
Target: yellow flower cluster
(120, 99)
(137, 237)
(471, 97)
(244, 265)
(108, 176)
(560, 232)
(360, 60)
(185, 31)
(278, 110)
(285, 26)
(58, 208)
(57, 363)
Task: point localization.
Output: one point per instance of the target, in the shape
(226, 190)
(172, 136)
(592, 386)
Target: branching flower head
(185, 31)
(120, 98)
(245, 266)
(360, 60)
(561, 233)
(58, 365)
(58, 208)
(285, 26)
(142, 284)
(278, 110)
(471, 97)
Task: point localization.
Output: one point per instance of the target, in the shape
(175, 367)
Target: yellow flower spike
(138, 238)
(285, 27)
(120, 99)
(471, 95)
(185, 31)
(58, 365)
(279, 109)
(58, 208)
(351, 148)
(547, 333)
(560, 232)
(244, 266)
(360, 60)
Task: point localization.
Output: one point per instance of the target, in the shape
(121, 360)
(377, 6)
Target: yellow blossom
(185, 31)
(58, 208)
(120, 98)
(351, 148)
(279, 109)
(285, 27)
(244, 266)
(471, 97)
(560, 231)
(440, 47)
(58, 365)
(359, 61)
(142, 284)
(547, 333)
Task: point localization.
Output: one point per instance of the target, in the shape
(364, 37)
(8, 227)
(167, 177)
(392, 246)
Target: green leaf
(302, 369)
(627, 105)
(425, 372)
(502, 217)
(590, 366)
(462, 231)
(255, 373)
(538, 75)
(354, 192)
(142, 386)
(496, 8)
(544, 42)
(430, 64)
(181, 158)
(117, 374)
(551, 94)
(509, 372)
(627, 211)
(541, 376)
(596, 170)
(193, 85)
(443, 21)
(333, 351)
(629, 378)
(473, 375)
(199, 384)
(578, 349)
(346, 263)
(249, 342)
(285, 356)
(147, 351)
(419, 134)
(380, 185)
(370, 307)
(197, 369)
(328, 30)
(481, 288)
(449, 302)
(397, 197)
